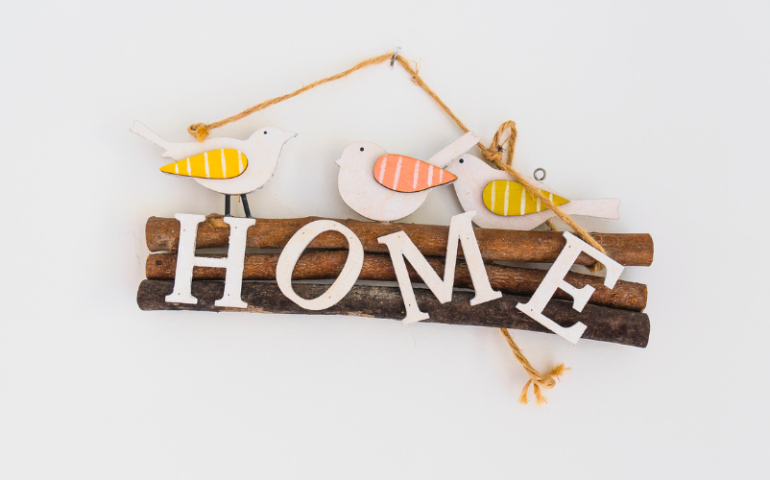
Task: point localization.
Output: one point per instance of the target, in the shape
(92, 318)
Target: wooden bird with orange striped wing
(226, 165)
(388, 187)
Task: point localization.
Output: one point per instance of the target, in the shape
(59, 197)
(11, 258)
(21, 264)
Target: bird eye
(362, 149)
(461, 160)
(265, 132)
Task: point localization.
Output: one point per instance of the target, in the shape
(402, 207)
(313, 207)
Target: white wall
(662, 104)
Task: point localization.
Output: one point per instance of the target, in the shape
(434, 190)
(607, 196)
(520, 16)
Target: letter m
(401, 246)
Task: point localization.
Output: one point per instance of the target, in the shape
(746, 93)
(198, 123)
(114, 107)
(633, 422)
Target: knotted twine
(499, 153)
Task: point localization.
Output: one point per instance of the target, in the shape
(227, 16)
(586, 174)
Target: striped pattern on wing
(407, 174)
(508, 198)
(220, 164)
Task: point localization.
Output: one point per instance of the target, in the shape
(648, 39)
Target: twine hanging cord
(499, 153)
(201, 130)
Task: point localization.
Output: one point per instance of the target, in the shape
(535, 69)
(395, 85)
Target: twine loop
(199, 130)
(500, 151)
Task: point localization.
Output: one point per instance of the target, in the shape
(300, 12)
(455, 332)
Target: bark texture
(604, 324)
(328, 264)
(630, 249)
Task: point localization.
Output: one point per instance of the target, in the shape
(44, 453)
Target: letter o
(299, 243)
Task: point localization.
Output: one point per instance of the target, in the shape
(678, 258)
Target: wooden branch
(604, 324)
(631, 249)
(327, 264)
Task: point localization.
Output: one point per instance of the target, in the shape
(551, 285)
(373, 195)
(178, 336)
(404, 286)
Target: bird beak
(338, 162)
(290, 135)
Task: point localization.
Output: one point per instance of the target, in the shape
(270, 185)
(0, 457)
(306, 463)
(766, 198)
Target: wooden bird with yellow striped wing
(387, 187)
(502, 203)
(225, 165)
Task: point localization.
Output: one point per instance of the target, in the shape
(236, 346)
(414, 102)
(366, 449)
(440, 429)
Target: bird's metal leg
(227, 205)
(246, 206)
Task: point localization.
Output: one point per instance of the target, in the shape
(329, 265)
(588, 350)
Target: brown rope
(499, 153)
(201, 130)
(536, 379)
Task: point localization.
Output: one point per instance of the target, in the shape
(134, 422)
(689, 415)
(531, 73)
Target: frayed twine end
(547, 381)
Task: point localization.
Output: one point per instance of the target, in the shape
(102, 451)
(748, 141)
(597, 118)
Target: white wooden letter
(297, 245)
(233, 262)
(401, 246)
(554, 279)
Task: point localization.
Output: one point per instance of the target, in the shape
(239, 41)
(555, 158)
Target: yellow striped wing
(221, 164)
(507, 198)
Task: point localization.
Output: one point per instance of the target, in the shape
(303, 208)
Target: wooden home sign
(465, 272)
(349, 250)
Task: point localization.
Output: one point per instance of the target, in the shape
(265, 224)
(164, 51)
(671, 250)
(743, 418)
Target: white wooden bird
(225, 165)
(502, 203)
(387, 187)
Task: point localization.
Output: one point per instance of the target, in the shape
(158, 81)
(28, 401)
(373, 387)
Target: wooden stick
(631, 249)
(327, 264)
(604, 324)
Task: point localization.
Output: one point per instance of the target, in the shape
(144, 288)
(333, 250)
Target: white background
(661, 104)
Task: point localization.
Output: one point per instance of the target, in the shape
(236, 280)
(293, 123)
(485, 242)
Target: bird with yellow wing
(502, 203)
(228, 166)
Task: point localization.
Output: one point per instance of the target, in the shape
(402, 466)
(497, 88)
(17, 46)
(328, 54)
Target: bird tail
(599, 208)
(140, 129)
(454, 150)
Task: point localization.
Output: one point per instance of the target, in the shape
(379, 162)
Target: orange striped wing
(407, 174)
